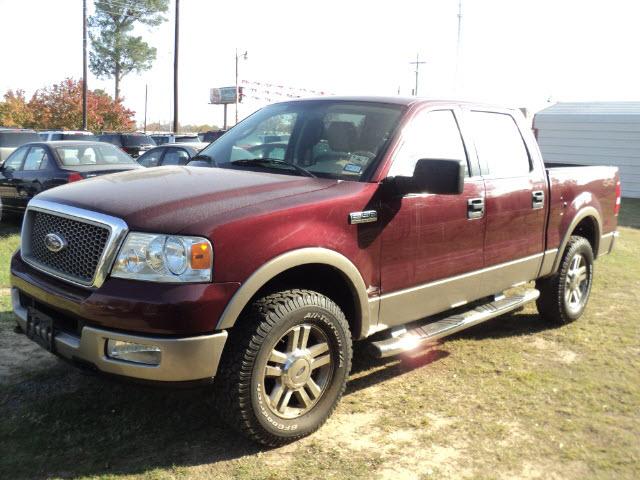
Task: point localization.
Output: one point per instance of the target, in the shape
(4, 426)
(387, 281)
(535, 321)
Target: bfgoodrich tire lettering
(564, 296)
(286, 368)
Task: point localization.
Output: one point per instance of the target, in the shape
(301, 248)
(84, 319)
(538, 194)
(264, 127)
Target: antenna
(459, 41)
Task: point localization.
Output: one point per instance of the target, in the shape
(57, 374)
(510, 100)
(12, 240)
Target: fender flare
(296, 258)
(581, 215)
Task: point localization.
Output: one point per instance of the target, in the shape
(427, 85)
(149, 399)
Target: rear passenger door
(515, 197)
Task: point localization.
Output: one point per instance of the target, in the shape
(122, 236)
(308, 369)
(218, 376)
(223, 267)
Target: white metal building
(594, 133)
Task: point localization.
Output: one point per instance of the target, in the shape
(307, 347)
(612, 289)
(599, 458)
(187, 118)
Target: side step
(404, 340)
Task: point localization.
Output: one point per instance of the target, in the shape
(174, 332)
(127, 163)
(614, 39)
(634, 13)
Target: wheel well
(323, 279)
(588, 228)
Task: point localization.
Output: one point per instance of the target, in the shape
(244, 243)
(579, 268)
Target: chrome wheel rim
(298, 371)
(576, 284)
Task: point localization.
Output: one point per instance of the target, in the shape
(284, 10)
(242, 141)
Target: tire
(272, 392)
(564, 296)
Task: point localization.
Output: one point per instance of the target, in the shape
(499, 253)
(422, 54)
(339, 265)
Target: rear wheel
(286, 368)
(564, 296)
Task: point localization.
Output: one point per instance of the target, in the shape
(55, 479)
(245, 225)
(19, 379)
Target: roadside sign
(222, 96)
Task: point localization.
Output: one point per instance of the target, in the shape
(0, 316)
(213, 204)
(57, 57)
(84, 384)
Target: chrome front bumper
(182, 359)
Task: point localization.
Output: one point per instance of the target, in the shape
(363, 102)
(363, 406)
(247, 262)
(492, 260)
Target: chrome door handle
(475, 208)
(537, 199)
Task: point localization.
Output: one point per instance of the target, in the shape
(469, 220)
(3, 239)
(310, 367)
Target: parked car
(66, 135)
(211, 136)
(35, 167)
(170, 154)
(135, 144)
(162, 138)
(10, 139)
(385, 222)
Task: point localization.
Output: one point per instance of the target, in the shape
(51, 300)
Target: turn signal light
(74, 177)
(200, 256)
(616, 209)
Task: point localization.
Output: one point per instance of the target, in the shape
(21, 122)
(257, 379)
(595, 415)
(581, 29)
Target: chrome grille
(91, 241)
(80, 258)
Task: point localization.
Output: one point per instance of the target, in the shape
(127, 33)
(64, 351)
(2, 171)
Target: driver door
(8, 180)
(429, 241)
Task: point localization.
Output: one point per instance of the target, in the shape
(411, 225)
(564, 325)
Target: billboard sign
(222, 96)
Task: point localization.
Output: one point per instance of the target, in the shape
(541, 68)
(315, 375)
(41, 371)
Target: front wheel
(564, 296)
(286, 367)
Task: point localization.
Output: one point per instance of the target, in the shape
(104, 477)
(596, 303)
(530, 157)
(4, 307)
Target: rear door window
(175, 156)
(36, 159)
(499, 144)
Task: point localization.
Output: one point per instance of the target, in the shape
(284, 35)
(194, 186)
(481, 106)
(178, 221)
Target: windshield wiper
(272, 161)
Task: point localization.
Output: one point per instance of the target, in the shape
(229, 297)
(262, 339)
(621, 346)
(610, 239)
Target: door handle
(537, 199)
(475, 208)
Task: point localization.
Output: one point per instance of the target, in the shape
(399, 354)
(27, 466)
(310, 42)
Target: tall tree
(115, 50)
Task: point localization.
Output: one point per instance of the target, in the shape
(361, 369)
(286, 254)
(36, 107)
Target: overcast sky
(515, 52)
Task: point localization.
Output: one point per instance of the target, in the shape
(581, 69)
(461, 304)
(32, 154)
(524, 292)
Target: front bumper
(182, 359)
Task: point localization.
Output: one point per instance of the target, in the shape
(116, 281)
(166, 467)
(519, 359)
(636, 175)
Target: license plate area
(40, 328)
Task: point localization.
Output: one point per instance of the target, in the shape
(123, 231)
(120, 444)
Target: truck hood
(170, 199)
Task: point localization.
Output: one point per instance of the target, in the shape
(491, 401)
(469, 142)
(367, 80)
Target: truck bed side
(576, 191)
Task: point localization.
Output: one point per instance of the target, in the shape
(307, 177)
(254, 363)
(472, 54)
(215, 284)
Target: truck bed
(574, 186)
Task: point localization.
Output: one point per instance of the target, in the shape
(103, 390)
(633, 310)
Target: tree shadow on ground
(65, 423)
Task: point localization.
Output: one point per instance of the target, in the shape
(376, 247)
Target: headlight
(164, 258)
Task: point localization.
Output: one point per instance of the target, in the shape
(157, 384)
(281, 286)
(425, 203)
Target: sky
(522, 53)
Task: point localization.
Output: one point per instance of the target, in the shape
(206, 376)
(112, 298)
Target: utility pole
(175, 69)
(417, 63)
(84, 64)
(145, 108)
(244, 56)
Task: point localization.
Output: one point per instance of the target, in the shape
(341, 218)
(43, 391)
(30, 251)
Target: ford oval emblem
(54, 242)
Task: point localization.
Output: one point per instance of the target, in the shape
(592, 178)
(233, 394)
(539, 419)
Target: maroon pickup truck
(395, 221)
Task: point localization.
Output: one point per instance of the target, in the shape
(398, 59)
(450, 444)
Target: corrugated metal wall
(603, 133)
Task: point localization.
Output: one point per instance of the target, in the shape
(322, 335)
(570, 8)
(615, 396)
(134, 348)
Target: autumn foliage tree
(14, 110)
(60, 107)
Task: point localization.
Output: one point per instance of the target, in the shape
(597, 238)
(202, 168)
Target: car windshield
(330, 139)
(137, 140)
(15, 139)
(92, 154)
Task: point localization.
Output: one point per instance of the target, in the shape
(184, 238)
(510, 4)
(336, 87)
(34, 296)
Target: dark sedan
(38, 166)
(171, 154)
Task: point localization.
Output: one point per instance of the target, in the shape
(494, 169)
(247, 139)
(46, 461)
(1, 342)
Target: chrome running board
(404, 340)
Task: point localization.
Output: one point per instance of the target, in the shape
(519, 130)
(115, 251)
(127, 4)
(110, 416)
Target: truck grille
(79, 260)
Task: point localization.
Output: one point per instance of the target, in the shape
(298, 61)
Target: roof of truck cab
(405, 101)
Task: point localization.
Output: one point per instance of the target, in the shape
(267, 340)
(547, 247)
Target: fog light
(133, 352)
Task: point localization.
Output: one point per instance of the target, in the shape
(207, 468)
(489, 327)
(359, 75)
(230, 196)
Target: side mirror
(431, 175)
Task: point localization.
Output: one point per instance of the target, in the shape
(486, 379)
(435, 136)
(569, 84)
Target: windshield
(137, 140)
(93, 154)
(330, 139)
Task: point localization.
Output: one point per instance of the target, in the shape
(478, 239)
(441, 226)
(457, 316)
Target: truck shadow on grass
(61, 422)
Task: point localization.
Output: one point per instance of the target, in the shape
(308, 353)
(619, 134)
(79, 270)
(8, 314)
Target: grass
(511, 398)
